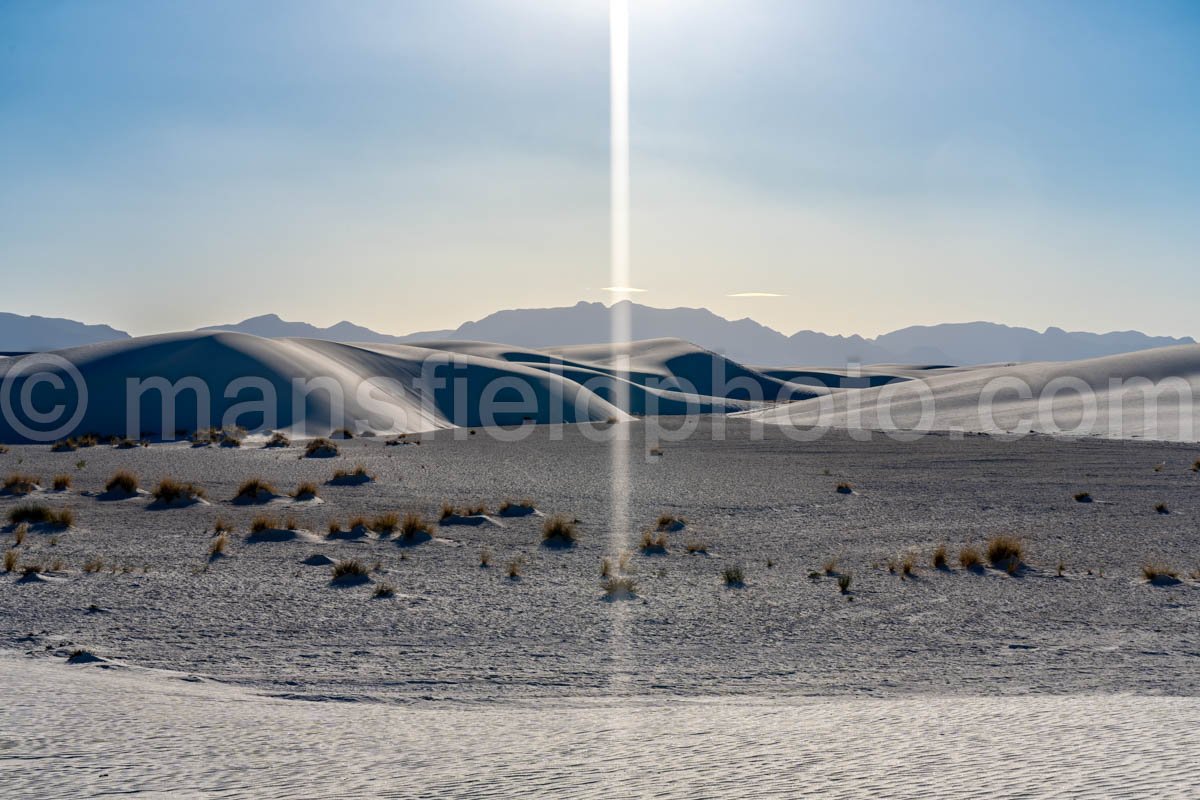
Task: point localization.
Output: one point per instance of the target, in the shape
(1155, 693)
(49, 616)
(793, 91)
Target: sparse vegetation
(170, 491)
(278, 439)
(1083, 497)
(830, 566)
(620, 586)
(654, 545)
(254, 490)
(969, 558)
(694, 548)
(357, 475)
(221, 526)
(669, 522)
(19, 535)
(38, 514)
(519, 508)
(1005, 552)
(20, 484)
(734, 577)
(1161, 508)
(342, 433)
(908, 564)
(10, 560)
(939, 557)
(349, 570)
(845, 488)
(384, 590)
(64, 446)
(387, 523)
(217, 548)
(320, 448)
(844, 583)
(122, 482)
(305, 491)
(606, 567)
(62, 483)
(262, 523)
(1160, 574)
(291, 524)
(414, 528)
(485, 558)
(513, 570)
(93, 565)
(559, 531)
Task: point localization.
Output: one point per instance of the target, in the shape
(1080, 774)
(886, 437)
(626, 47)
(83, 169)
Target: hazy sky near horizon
(412, 165)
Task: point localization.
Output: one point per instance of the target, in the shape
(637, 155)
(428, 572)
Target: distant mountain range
(20, 334)
(742, 340)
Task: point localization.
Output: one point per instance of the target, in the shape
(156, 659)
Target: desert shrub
(62, 483)
(122, 481)
(1083, 497)
(939, 557)
(512, 508)
(38, 514)
(359, 473)
(844, 583)
(559, 532)
(908, 564)
(170, 491)
(384, 590)
(669, 522)
(342, 433)
(217, 548)
(620, 586)
(320, 448)
(733, 576)
(348, 570)
(335, 528)
(969, 558)
(845, 488)
(1159, 573)
(64, 446)
(414, 526)
(1161, 508)
(387, 523)
(20, 484)
(476, 510)
(1005, 551)
(262, 523)
(485, 558)
(10, 560)
(221, 526)
(305, 491)
(513, 569)
(89, 440)
(654, 545)
(360, 523)
(830, 566)
(278, 440)
(697, 547)
(254, 489)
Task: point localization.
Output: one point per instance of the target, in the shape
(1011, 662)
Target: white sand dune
(1137, 395)
(167, 735)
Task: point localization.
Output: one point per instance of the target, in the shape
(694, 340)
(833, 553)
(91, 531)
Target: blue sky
(411, 165)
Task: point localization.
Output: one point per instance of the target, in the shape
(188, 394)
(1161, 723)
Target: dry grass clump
(697, 548)
(320, 448)
(1006, 552)
(342, 433)
(513, 570)
(349, 570)
(939, 557)
(384, 590)
(1196, 466)
(844, 583)
(263, 523)
(1160, 574)
(476, 510)
(844, 488)
(908, 565)
(734, 577)
(669, 522)
(129, 444)
(387, 523)
(357, 475)
(64, 446)
(221, 526)
(217, 548)
(171, 491)
(305, 491)
(20, 484)
(559, 531)
(93, 565)
(10, 560)
(830, 566)
(1083, 497)
(414, 527)
(620, 587)
(654, 545)
(3, 449)
(1161, 508)
(606, 567)
(38, 514)
(514, 508)
(969, 558)
(254, 489)
(19, 535)
(122, 481)
(62, 483)
(485, 558)
(278, 440)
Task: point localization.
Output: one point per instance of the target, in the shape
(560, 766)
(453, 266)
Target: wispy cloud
(755, 294)
(621, 289)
